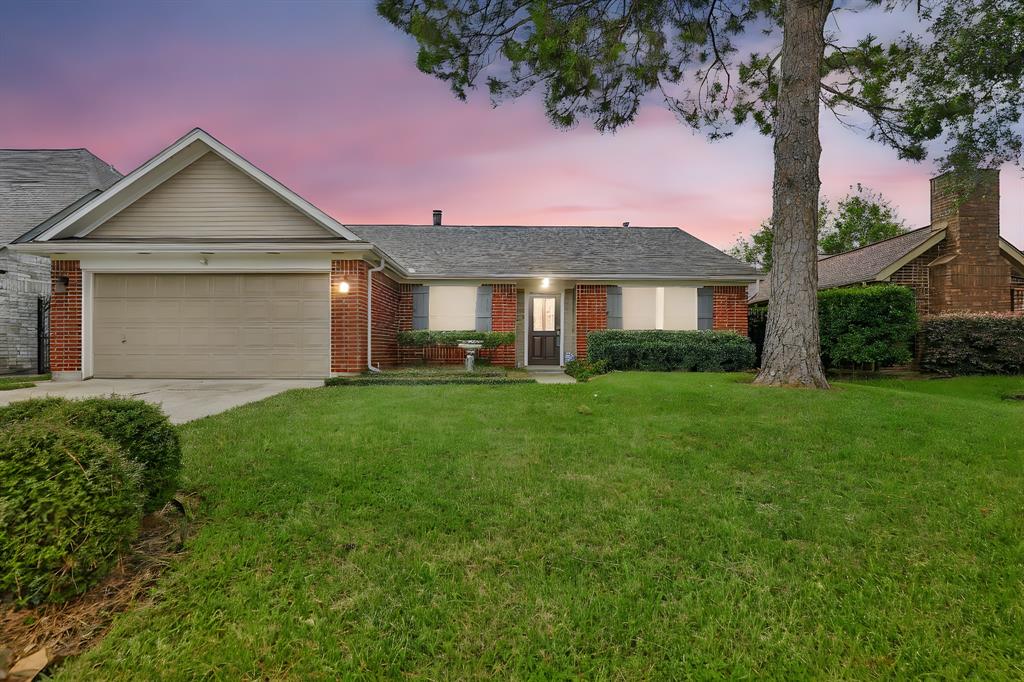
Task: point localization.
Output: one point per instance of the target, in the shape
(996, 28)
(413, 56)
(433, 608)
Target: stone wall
(26, 279)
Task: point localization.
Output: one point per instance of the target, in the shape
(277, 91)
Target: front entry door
(543, 331)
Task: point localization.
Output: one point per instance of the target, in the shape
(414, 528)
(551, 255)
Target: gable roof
(427, 251)
(166, 164)
(869, 263)
(37, 183)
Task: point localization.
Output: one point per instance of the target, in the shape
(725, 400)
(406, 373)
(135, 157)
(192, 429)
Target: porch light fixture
(61, 286)
(545, 283)
(342, 287)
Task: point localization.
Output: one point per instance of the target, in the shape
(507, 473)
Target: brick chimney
(970, 274)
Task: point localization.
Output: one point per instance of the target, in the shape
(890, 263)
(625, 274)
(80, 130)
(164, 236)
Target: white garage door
(211, 326)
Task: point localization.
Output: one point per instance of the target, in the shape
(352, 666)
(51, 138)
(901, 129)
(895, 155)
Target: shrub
(872, 325)
(140, 429)
(69, 503)
(972, 343)
(419, 338)
(661, 351)
(584, 370)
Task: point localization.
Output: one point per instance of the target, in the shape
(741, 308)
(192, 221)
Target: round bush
(69, 504)
(140, 429)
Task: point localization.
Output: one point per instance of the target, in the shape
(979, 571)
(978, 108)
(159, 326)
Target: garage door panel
(236, 325)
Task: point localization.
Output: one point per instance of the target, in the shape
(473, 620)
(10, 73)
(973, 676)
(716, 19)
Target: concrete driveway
(182, 399)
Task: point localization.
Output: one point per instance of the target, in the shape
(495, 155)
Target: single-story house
(34, 185)
(958, 263)
(198, 264)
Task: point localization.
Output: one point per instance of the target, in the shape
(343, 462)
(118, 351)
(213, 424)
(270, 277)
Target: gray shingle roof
(510, 251)
(36, 183)
(860, 265)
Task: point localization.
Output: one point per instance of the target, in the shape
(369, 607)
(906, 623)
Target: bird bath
(471, 348)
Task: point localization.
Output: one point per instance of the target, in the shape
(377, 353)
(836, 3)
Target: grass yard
(641, 525)
(9, 382)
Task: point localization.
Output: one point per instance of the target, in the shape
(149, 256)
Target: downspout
(369, 314)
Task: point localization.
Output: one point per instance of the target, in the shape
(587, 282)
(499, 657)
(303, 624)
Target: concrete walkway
(550, 375)
(181, 399)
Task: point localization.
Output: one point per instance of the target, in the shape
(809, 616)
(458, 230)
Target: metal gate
(43, 334)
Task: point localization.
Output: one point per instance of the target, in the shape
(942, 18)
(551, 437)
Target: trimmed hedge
(973, 343)
(140, 429)
(872, 325)
(70, 502)
(662, 351)
(420, 338)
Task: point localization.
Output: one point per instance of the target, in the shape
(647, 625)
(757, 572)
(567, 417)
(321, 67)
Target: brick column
(591, 313)
(503, 319)
(730, 309)
(66, 320)
(348, 316)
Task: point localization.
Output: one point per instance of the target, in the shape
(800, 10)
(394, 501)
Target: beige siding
(452, 308)
(209, 326)
(209, 199)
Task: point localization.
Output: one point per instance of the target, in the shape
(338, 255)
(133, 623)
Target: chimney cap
(625, 223)
(437, 216)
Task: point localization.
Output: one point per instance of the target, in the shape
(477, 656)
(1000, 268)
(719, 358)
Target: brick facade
(977, 277)
(386, 303)
(348, 316)
(504, 310)
(66, 317)
(591, 313)
(24, 278)
(730, 309)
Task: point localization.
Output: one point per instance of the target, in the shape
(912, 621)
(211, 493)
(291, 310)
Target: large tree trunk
(792, 350)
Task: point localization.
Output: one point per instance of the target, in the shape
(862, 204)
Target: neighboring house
(959, 263)
(34, 185)
(198, 264)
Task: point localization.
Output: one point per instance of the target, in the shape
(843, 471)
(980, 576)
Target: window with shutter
(706, 308)
(614, 307)
(420, 307)
(483, 308)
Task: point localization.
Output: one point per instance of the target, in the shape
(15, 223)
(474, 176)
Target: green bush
(872, 325)
(140, 429)
(971, 343)
(662, 351)
(420, 338)
(69, 504)
(584, 370)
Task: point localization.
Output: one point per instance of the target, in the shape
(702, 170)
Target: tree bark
(792, 350)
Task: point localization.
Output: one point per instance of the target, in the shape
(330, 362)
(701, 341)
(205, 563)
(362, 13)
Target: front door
(543, 331)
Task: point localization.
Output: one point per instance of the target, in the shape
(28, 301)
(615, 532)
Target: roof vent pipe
(437, 216)
(625, 224)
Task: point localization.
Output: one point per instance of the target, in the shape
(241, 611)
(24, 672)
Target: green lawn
(9, 382)
(641, 525)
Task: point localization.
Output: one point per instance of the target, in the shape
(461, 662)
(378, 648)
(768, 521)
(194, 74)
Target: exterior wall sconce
(545, 283)
(342, 287)
(61, 286)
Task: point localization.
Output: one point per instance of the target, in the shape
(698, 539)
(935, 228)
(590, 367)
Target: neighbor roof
(861, 265)
(519, 251)
(37, 183)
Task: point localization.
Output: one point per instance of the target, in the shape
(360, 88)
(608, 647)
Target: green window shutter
(614, 307)
(706, 308)
(420, 307)
(483, 308)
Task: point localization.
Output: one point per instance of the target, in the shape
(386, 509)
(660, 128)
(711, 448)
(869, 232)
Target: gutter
(369, 314)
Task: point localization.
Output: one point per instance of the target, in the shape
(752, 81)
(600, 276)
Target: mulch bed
(70, 628)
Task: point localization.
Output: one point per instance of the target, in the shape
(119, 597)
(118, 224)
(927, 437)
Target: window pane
(543, 314)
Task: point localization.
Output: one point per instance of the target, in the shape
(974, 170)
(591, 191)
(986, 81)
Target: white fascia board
(73, 247)
(720, 280)
(1015, 254)
(888, 272)
(161, 167)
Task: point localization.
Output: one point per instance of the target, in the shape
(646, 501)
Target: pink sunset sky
(326, 98)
